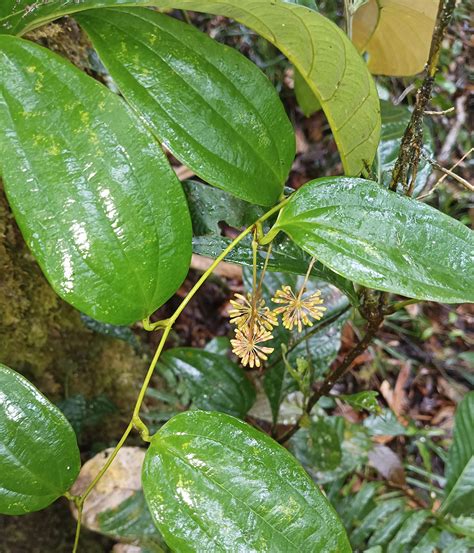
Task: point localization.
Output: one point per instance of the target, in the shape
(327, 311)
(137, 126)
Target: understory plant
(113, 229)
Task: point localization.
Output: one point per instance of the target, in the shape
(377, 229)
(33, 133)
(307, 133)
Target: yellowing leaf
(396, 34)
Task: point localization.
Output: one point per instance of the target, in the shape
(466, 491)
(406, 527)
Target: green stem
(167, 325)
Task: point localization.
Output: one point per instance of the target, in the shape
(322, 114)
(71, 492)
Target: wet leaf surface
(382, 240)
(39, 457)
(213, 483)
(92, 192)
(210, 106)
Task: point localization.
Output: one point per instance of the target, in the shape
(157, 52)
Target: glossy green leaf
(320, 51)
(39, 457)
(382, 240)
(214, 483)
(219, 344)
(460, 465)
(210, 106)
(363, 401)
(394, 122)
(212, 381)
(92, 192)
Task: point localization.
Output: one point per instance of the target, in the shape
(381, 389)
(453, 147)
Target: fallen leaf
(387, 463)
(121, 481)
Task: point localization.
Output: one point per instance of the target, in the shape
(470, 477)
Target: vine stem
(166, 326)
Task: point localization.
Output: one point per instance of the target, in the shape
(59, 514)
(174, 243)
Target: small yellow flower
(297, 310)
(243, 310)
(246, 345)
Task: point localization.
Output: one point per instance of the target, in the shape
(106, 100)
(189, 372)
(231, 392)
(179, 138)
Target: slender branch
(410, 149)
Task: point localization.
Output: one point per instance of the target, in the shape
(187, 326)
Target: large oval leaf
(396, 34)
(320, 51)
(92, 192)
(213, 108)
(39, 457)
(381, 239)
(211, 380)
(214, 483)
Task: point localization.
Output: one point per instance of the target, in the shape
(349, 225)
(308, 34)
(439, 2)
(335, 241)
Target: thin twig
(442, 112)
(443, 178)
(449, 172)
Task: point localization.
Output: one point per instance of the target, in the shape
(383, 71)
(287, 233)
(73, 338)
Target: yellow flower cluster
(255, 321)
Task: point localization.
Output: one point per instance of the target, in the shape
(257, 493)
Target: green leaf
(39, 457)
(382, 240)
(428, 542)
(211, 107)
(321, 52)
(319, 447)
(212, 381)
(376, 519)
(131, 520)
(408, 531)
(308, 3)
(459, 489)
(354, 444)
(394, 122)
(92, 192)
(305, 97)
(82, 412)
(387, 528)
(363, 401)
(355, 507)
(213, 483)
(210, 206)
(384, 424)
(219, 344)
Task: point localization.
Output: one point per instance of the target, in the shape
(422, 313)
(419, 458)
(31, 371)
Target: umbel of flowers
(254, 320)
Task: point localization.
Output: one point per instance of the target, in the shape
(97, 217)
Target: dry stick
(449, 173)
(443, 178)
(375, 309)
(410, 149)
